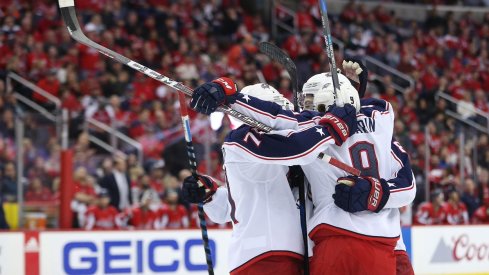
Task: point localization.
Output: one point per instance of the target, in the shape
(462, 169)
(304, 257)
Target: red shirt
(85, 189)
(98, 218)
(481, 215)
(428, 215)
(143, 219)
(44, 195)
(88, 57)
(51, 87)
(417, 138)
(456, 214)
(173, 218)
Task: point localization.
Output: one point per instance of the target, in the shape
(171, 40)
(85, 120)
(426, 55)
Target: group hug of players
(353, 223)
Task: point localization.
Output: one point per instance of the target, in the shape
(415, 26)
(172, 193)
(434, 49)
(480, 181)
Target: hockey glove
(354, 194)
(341, 122)
(356, 72)
(200, 189)
(295, 176)
(208, 96)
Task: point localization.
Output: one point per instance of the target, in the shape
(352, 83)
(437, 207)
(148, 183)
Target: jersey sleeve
(269, 113)
(402, 185)
(218, 209)
(286, 147)
(373, 107)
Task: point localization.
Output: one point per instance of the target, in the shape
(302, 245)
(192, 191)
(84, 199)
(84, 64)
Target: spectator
(483, 189)
(102, 215)
(7, 124)
(118, 186)
(142, 217)
(481, 215)
(455, 209)
(84, 195)
(432, 212)
(469, 197)
(9, 182)
(144, 190)
(50, 84)
(172, 215)
(37, 192)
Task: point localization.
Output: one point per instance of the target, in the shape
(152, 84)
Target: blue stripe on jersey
(273, 146)
(268, 108)
(273, 110)
(404, 180)
(370, 105)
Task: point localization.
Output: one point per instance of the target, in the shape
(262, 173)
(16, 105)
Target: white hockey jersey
(371, 150)
(260, 203)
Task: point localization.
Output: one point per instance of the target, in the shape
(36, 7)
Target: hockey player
(352, 218)
(266, 229)
(358, 74)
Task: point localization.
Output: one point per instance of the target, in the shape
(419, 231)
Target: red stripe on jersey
(397, 159)
(284, 158)
(404, 189)
(264, 113)
(266, 255)
(326, 230)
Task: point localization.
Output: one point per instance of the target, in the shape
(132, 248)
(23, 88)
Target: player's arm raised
(292, 147)
(208, 96)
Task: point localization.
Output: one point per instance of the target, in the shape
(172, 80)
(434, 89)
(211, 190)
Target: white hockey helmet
(320, 86)
(266, 92)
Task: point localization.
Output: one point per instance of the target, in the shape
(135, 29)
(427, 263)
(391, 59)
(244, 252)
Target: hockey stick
(329, 50)
(275, 53)
(193, 167)
(68, 13)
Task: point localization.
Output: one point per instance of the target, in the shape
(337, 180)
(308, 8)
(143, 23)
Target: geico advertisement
(450, 249)
(11, 253)
(131, 252)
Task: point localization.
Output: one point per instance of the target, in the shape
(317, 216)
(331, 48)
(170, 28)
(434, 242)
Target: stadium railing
(115, 136)
(411, 11)
(474, 123)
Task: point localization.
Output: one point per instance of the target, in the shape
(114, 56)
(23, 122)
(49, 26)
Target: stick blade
(275, 53)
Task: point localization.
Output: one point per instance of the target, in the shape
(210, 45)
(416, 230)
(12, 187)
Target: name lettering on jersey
(366, 125)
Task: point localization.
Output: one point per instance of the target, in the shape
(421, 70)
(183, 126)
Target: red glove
(341, 122)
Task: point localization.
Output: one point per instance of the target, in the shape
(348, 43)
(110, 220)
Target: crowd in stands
(197, 41)
(472, 3)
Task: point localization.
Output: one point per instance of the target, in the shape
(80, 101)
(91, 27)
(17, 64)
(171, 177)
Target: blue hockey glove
(341, 122)
(198, 189)
(354, 194)
(208, 96)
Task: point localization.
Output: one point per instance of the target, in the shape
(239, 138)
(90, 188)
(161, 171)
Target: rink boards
(433, 250)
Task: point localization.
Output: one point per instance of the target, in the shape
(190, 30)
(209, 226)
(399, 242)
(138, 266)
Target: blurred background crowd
(195, 42)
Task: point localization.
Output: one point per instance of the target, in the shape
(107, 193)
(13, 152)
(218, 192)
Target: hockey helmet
(321, 92)
(266, 92)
